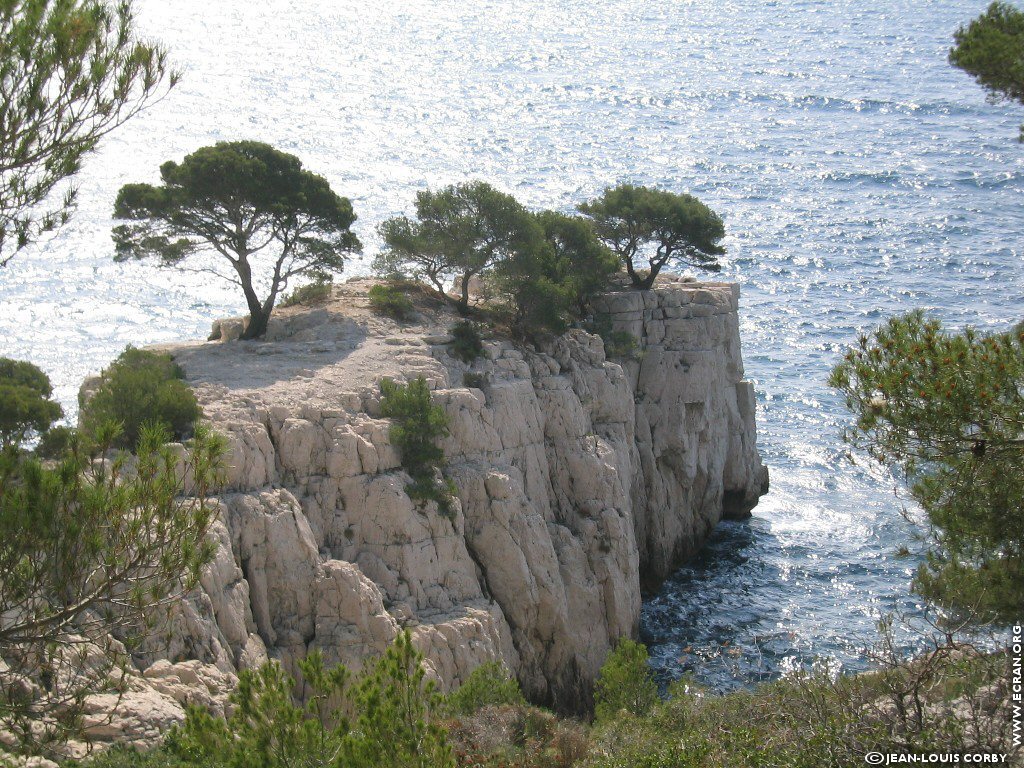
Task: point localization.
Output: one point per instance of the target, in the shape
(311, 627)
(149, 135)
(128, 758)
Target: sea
(859, 175)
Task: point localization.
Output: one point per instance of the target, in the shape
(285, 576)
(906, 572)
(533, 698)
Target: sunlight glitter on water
(859, 175)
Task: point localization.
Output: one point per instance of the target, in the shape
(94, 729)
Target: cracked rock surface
(579, 479)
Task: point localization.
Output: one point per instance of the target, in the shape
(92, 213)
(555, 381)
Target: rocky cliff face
(579, 478)
(694, 418)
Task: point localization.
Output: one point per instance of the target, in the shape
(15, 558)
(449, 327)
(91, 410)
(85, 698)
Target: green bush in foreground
(418, 425)
(138, 388)
(56, 442)
(92, 551)
(488, 685)
(989, 49)
(625, 683)
(391, 301)
(126, 757)
(389, 717)
(380, 719)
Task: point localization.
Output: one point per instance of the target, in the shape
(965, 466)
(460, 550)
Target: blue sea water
(859, 175)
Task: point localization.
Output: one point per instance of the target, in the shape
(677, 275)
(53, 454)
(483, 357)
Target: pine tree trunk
(257, 325)
(258, 314)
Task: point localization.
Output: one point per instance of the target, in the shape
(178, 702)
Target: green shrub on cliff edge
(418, 425)
(140, 387)
(317, 292)
(467, 345)
(391, 301)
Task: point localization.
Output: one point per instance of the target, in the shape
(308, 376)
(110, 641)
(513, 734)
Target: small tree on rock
(460, 232)
(140, 388)
(661, 227)
(549, 279)
(248, 204)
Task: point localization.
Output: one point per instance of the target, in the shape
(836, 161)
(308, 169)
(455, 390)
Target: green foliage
(580, 263)
(488, 685)
(620, 345)
(391, 301)
(540, 303)
(625, 683)
(814, 718)
(120, 756)
(991, 49)
(394, 724)
(267, 728)
(239, 200)
(467, 345)
(474, 380)
(70, 72)
(418, 425)
(26, 410)
(550, 283)
(139, 388)
(460, 232)
(380, 719)
(91, 550)
(56, 442)
(947, 411)
(544, 266)
(658, 226)
(317, 292)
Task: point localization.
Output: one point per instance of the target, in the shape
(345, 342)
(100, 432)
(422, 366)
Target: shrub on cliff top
(460, 232)
(309, 294)
(391, 301)
(581, 264)
(140, 387)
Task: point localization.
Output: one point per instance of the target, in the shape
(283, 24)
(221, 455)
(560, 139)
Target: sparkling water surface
(858, 174)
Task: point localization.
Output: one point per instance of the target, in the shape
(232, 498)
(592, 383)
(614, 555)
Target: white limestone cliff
(579, 478)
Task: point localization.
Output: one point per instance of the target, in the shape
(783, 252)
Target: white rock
(578, 479)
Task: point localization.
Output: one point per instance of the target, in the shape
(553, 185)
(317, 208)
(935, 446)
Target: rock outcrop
(694, 420)
(579, 478)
